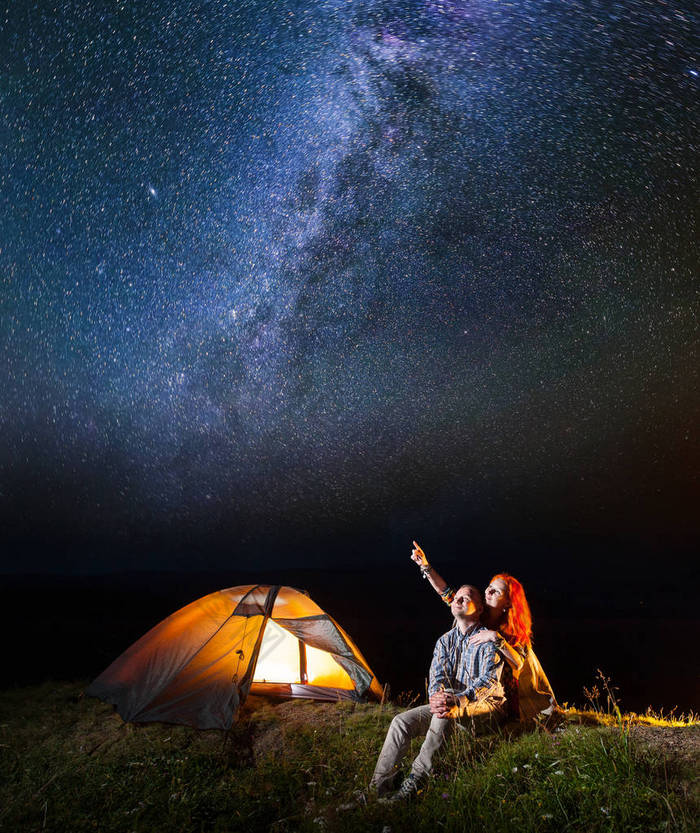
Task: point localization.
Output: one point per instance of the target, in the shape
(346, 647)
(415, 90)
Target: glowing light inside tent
(323, 670)
(278, 661)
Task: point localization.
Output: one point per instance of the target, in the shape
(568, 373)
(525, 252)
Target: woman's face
(496, 596)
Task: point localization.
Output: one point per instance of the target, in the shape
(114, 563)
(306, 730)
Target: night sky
(298, 282)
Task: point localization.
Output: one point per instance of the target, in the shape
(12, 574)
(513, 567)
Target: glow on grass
(605, 710)
(649, 718)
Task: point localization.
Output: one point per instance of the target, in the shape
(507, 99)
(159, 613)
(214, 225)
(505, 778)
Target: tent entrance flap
(284, 658)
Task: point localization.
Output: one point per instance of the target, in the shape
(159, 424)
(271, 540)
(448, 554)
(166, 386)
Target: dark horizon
(82, 623)
(633, 514)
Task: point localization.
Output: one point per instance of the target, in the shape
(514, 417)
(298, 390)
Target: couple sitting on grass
(484, 673)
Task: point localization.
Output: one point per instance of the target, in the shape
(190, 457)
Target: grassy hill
(68, 763)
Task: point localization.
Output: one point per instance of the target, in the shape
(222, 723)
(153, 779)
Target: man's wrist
(447, 595)
(426, 570)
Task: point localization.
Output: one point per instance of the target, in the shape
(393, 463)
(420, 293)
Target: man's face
(466, 603)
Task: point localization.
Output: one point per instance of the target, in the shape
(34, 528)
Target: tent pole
(244, 684)
(303, 676)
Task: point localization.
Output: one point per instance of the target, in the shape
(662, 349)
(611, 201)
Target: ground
(69, 763)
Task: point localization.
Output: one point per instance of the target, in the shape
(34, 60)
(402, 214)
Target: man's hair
(476, 590)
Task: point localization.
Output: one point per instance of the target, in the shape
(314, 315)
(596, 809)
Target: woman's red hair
(516, 626)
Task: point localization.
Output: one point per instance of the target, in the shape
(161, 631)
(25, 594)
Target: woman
(509, 624)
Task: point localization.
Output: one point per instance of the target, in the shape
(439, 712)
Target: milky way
(285, 265)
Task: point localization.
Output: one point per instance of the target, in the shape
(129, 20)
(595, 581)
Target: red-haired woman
(509, 623)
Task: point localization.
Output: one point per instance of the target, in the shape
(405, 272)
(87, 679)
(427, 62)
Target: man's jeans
(479, 717)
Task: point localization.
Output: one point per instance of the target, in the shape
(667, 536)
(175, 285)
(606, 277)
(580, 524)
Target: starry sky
(302, 281)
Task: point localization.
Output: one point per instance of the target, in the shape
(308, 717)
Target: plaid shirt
(471, 671)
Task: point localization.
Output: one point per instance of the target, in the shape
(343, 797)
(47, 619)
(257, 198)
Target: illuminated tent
(198, 666)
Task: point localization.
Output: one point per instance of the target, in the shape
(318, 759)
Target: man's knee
(410, 724)
(400, 726)
(439, 726)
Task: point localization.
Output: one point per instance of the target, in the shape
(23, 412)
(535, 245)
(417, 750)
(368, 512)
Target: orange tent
(198, 666)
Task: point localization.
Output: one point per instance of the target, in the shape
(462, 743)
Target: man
(465, 687)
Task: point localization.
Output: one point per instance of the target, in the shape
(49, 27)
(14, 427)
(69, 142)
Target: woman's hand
(419, 556)
(483, 636)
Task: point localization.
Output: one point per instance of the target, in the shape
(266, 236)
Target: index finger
(417, 546)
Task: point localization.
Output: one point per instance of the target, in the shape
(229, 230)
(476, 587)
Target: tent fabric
(297, 690)
(254, 602)
(198, 666)
(243, 686)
